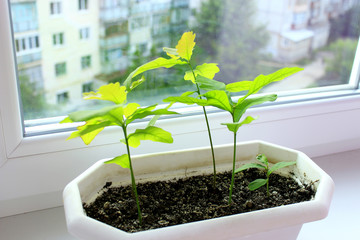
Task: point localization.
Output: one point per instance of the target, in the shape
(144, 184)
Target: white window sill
(342, 222)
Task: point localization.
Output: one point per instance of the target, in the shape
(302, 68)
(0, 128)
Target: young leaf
(66, 120)
(111, 92)
(186, 45)
(207, 70)
(122, 160)
(209, 84)
(263, 159)
(130, 109)
(249, 165)
(137, 82)
(88, 131)
(171, 52)
(257, 183)
(238, 86)
(156, 117)
(150, 133)
(142, 114)
(219, 99)
(241, 108)
(263, 80)
(85, 115)
(154, 64)
(187, 100)
(280, 165)
(234, 127)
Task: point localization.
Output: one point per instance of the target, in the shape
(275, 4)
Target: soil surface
(192, 199)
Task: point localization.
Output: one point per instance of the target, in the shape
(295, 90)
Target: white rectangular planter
(281, 223)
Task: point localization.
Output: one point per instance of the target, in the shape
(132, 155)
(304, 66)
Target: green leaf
(122, 160)
(239, 86)
(156, 117)
(137, 82)
(130, 109)
(187, 100)
(219, 99)
(141, 113)
(234, 127)
(111, 92)
(150, 133)
(207, 70)
(171, 52)
(257, 183)
(186, 45)
(249, 165)
(189, 75)
(154, 64)
(263, 80)
(209, 84)
(262, 158)
(280, 165)
(66, 120)
(241, 107)
(85, 115)
(89, 130)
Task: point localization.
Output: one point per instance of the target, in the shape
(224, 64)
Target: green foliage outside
(340, 65)
(233, 40)
(33, 100)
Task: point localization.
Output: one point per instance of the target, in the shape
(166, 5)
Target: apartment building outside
(27, 41)
(70, 58)
(71, 47)
(297, 27)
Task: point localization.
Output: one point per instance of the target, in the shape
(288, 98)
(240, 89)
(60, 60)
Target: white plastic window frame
(34, 170)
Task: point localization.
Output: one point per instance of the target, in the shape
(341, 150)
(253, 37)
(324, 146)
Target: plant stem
(208, 129)
(233, 171)
(133, 183)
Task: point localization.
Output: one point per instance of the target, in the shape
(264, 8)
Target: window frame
(35, 169)
(60, 69)
(56, 8)
(85, 62)
(58, 39)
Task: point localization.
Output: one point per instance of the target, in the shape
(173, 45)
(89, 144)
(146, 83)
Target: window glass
(60, 69)
(246, 38)
(55, 7)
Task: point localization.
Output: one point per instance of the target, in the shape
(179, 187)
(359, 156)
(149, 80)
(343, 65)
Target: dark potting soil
(192, 199)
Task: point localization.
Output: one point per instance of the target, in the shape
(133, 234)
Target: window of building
(84, 33)
(83, 4)
(55, 8)
(58, 39)
(87, 87)
(62, 98)
(60, 69)
(26, 44)
(85, 62)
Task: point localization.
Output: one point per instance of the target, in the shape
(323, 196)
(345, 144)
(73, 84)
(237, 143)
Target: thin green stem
(133, 183)
(208, 129)
(233, 171)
